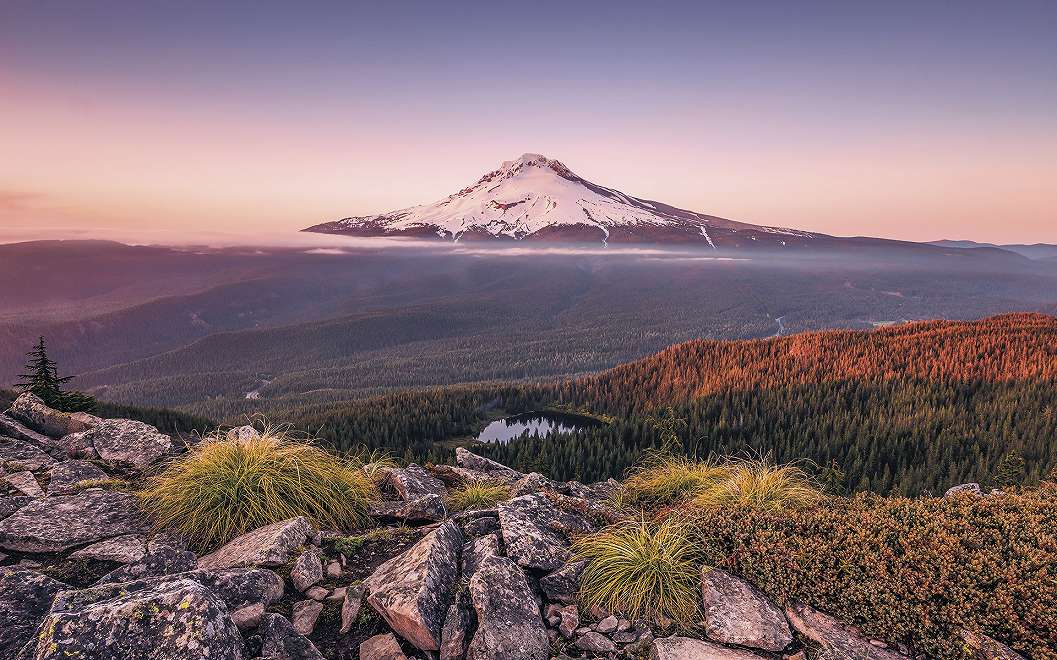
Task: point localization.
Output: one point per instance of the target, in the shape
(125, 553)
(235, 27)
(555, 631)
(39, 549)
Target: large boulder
(25, 597)
(414, 482)
(736, 612)
(381, 647)
(280, 641)
(412, 591)
(12, 428)
(836, 638)
(964, 489)
(509, 625)
(479, 465)
(31, 411)
(537, 533)
(428, 508)
(271, 545)
(54, 524)
(126, 442)
(63, 477)
(168, 619)
(476, 551)
(19, 454)
(240, 587)
(686, 648)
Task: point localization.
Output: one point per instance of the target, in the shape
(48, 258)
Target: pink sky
(276, 146)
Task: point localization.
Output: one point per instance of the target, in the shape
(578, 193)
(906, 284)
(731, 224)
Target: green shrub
(477, 495)
(223, 488)
(907, 570)
(642, 569)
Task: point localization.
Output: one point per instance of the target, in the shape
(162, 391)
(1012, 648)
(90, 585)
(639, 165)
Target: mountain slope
(536, 198)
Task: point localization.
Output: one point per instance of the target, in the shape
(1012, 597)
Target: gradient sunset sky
(917, 120)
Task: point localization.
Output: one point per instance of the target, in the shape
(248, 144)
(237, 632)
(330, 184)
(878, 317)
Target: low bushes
(642, 569)
(907, 570)
(223, 487)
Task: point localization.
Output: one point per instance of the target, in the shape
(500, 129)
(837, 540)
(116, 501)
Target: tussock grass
(223, 487)
(477, 495)
(756, 484)
(663, 479)
(642, 569)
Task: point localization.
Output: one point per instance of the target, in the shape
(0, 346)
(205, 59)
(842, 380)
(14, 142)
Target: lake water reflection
(537, 424)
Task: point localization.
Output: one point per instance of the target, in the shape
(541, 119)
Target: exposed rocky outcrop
(414, 482)
(981, 647)
(835, 637)
(31, 411)
(122, 549)
(509, 626)
(482, 469)
(124, 441)
(25, 597)
(53, 524)
(281, 641)
(25, 483)
(381, 647)
(964, 489)
(64, 477)
(428, 508)
(273, 545)
(537, 533)
(21, 455)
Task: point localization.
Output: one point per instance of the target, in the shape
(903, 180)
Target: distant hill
(1033, 251)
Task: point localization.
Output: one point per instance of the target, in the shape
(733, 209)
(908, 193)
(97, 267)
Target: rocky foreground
(84, 575)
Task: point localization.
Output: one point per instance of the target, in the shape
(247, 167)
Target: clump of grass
(642, 569)
(477, 495)
(757, 484)
(664, 479)
(222, 488)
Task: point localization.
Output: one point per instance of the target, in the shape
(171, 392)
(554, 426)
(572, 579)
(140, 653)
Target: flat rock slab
(55, 524)
(31, 411)
(414, 482)
(412, 591)
(23, 455)
(25, 597)
(834, 636)
(9, 505)
(686, 648)
(979, 646)
(428, 508)
(509, 625)
(122, 549)
(381, 647)
(175, 619)
(25, 483)
(127, 442)
(12, 428)
(537, 533)
(64, 476)
(468, 460)
(736, 612)
(272, 545)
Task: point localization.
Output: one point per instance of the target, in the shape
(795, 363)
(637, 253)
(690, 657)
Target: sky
(915, 120)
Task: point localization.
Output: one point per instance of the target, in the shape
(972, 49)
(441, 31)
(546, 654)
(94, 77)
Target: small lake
(538, 424)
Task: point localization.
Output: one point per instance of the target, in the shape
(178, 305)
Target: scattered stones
(509, 626)
(161, 559)
(279, 640)
(127, 442)
(25, 483)
(54, 524)
(607, 625)
(333, 570)
(350, 607)
(412, 591)
(170, 619)
(307, 570)
(561, 585)
(964, 489)
(305, 614)
(25, 597)
(381, 647)
(685, 648)
(122, 549)
(64, 476)
(568, 621)
(536, 533)
(594, 642)
(272, 545)
(248, 617)
(31, 411)
(414, 482)
(12, 428)
(23, 455)
(832, 635)
(735, 612)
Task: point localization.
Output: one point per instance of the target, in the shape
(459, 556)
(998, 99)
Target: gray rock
(414, 482)
(54, 524)
(594, 642)
(31, 411)
(307, 570)
(736, 612)
(160, 559)
(122, 549)
(536, 533)
(562, 585)
(304, 616)
(568, 621)
(412, 591)
(381, 647)
(9, 505)
(534, 482)
(979, 646)
(835, 637)
(170, 619)
(964, 489)
(428, 508)
(279, 640)
(475, 551)
(243, 433)
(12, 428)
(240, 587)
(333, 570)
(350, 607)
(317, 592)
(128, 442)
(18, 454)
(25, 597)
(457, 626)
(64, 476)
(272, 545)
(25, 483)
(469, 461)
(481, 525)
(509, 626)
(248, 617)
(607, 625)
(685, 648)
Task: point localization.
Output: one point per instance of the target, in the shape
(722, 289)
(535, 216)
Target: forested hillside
(902, 409)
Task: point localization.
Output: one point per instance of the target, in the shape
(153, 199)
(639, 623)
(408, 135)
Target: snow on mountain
(536, 198)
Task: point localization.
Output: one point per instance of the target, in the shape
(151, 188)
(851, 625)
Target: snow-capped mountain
(536, 198)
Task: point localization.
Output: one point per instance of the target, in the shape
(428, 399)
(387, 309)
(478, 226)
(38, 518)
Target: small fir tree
(831, 478)
(42, 379)
(1010, 471)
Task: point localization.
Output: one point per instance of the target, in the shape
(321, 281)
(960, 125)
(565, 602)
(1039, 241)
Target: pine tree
(1010, 470)
(43, 380)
